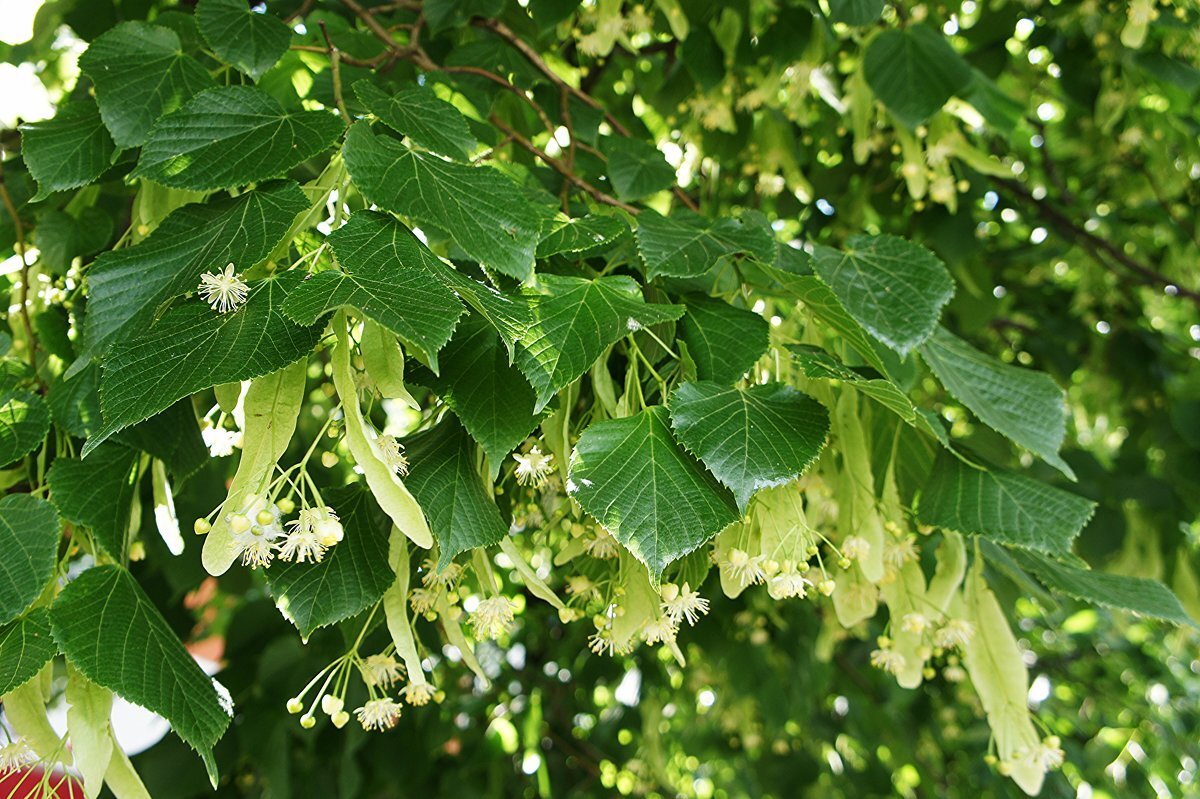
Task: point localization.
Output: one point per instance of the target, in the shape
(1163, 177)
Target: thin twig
(558, 167)
(335, 58)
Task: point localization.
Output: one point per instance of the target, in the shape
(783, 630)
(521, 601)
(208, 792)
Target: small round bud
(294, 705)
(329, 459)
(264, 517)
(928, 672)
(137, 551)
(844, 563)
(990, 760)
(332, 705)
(239, 523)
(286, 505)
(307, 721)
(826, 587)
(340, 718)
(329, 531)
(201, 526)
(439, 696)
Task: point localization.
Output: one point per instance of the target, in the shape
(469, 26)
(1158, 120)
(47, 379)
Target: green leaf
(25, 646)
(1135, 594)
(563, 235)
(1023, 405)
(820, 301)
(686, 244)
(140, 73)
(114, 635)
(193, 347)
(445, 481)
(750, 439)
(914, 72)
(655, 498)
(72, 149)
(250, 41)
(574, 320)
(127, 286)
(483, 210)
(24, 423)
(509, 314)
(61, 237)
(172, 437)
(230, 137)
(353, 575)
(855, 12)
(390, 277)
(823, 366)
(97, 493)
(29, 534)
(636, 168)
(491, 398)
(723, 340)
(422, 116)
(1011, 508)
(890, 286)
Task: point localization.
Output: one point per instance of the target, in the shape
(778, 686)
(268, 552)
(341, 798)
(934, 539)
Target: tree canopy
(552, 398)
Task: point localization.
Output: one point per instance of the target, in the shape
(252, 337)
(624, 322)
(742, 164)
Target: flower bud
(238, 523)
(329, 459)
(201, 526)
(332, 705)
(329, 532)
(340, 718)
(307, 721)
(286, 505)
(264, 517)
(294, 705)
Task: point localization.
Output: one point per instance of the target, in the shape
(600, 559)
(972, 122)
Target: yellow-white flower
(379, 714)
(15, 754)
(660, 630)
(855, 547)
(889, 660)
(682, 603)
(393, 455)
(602, 545)
(225, 290)
(419, 694)
(788, 582)
(746, 569)
(533, 467)
(492, 617)
(256, 532)
(914, 623)
(310, 535)
(601, 642)
(1049, 753)
(955, 633)
(900, 551)
(380, 671)
(446, 578)
(422, 599)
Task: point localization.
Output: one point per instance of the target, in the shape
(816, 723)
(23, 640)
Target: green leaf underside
(489, 395)
(390, 277)
(855, 12)
(24, 423)
(686, 244)
(127, 286)
(114, 635)
(25, 646)
(445, 481)
(574, 321)
(29, 543)
(655, 498)
(194, 347)
(892, 287)
(750, 439)
(914, 72)
(480, 208)
(1026, 406)
(636, 168)
(140, 73)
(353, 574)
(724, 341)
(232, 136)
(70, 150)
(422, 116)
(1136, 594)
(97, 493)
(565, 236)
(1010, 508)
(820, 301)
(250, 41)
(821, 365)
(61, 236)
(173, 436)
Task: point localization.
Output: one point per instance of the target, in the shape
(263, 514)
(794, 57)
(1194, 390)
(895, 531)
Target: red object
(25, 782)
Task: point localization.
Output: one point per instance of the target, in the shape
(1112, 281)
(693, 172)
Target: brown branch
(23, 298)
(369, 63)
(304, 8)
(373, 24)
(1102, 250)
(561, 169)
